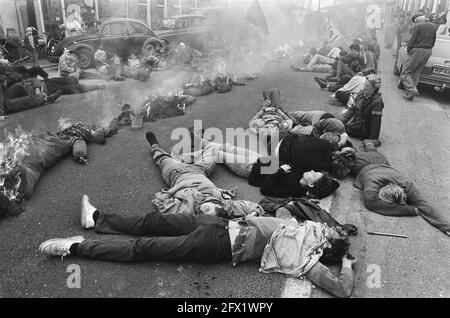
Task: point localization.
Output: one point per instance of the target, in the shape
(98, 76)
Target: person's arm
(427, 211)
(340, 286)
(243, 208)
(343, 141)
(412, 39)
(374, 203)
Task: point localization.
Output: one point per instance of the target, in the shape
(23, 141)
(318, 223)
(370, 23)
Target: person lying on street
(311, 153)
(280, 245)
(41, 152)
(388, 192)
(290, 181)
(363, 119)
(316, 123)
(287, 181)
(304, 152)
(191, 191)
(271, 118)
(24, 95)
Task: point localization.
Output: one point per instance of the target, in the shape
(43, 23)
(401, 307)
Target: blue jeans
(162, 237)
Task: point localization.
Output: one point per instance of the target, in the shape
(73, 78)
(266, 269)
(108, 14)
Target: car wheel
(84, 58)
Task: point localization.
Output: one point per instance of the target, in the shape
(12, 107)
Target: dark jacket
(279, 184)
(357, 118)
(302, 209)
(423, 35)
(306, 153)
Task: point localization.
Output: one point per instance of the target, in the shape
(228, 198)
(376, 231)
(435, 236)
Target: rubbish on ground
(387, 234)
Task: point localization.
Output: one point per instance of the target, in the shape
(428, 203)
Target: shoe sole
(83, 220)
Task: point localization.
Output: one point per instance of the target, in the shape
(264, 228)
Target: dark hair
(333, 255)
(355, 47)
(342, 163)
(355, 66)
(369, 71)
(324, 186)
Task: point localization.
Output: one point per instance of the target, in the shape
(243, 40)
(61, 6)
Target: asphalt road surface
(122, 178)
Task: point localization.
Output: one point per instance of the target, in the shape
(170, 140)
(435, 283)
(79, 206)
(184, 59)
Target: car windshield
(166, 24)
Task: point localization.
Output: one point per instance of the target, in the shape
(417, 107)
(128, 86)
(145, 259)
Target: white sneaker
(87, 213)
(59, 246)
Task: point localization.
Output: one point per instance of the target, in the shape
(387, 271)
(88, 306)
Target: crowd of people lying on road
(193, 220)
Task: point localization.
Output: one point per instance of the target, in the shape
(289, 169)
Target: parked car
(188, 28)
(121, 35)
(437, 70)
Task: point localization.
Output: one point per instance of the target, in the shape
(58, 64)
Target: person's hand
(286, 168)
(347, 149)
(348, 261)
(253, 214)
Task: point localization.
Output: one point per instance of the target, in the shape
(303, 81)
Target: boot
(53, 97)
(321, 82)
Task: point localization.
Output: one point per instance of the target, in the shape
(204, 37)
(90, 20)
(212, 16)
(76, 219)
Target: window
(197, 22)
(137, 28)
(180, 24)
(114, 29)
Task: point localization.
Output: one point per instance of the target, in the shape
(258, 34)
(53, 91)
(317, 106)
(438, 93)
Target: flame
(220, 67)
(12, 153)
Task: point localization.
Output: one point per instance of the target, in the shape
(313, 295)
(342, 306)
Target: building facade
(47, 15)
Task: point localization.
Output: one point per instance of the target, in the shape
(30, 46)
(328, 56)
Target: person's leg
(206, 244)
(168, 165)
(424, 56)
(239, 165)
(35, 58)
(343, 97)
(17, 90)
(23, 103)
(150, 224)
(91, 87)
(208, 158)
(412, 63)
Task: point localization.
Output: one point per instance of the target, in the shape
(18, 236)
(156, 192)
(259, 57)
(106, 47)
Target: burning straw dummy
(156, 107)
(191, 191)
(25, 157)
(24, 95)
(280, 245)
(363, 118)
(386, 191)
(270, 118)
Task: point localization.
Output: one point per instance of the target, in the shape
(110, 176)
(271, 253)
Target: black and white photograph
(224, 155)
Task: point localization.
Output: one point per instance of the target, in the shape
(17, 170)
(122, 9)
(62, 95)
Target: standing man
(31, 45)
(420, 44)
